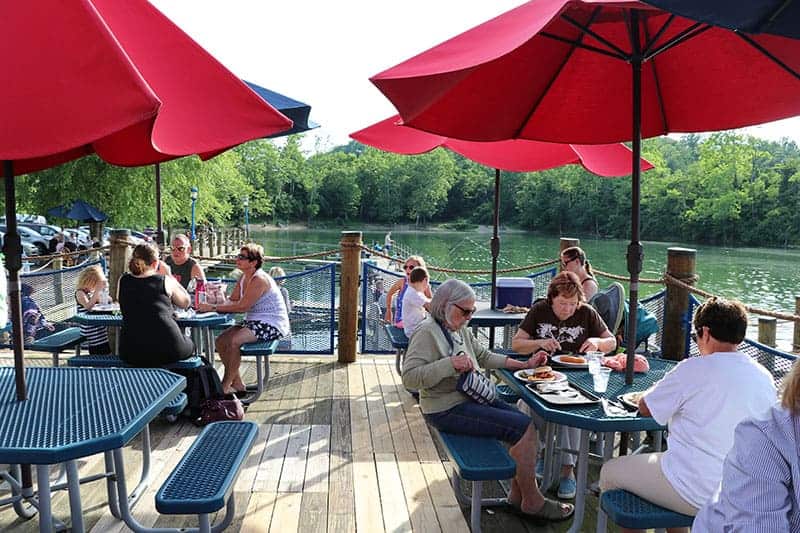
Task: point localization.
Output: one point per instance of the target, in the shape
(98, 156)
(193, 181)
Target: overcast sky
(323, 53)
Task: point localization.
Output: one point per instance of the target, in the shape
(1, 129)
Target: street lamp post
(194, 192)
(246, 202)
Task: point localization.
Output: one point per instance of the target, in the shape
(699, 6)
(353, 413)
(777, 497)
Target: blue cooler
(514, 291)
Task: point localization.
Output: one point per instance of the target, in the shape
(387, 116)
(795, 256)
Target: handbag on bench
(474, 385)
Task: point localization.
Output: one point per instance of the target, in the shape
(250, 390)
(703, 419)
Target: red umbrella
(516, 155)
(596, 71)
(87, 76)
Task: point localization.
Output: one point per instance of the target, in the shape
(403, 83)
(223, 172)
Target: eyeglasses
(568, 261)
(179, 248)
(697, 334)
(244, 257)
(409, 267)
(466, 312)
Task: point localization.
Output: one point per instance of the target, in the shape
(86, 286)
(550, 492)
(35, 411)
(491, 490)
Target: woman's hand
(462, 363)
(549, 345)
(537, 359)
(589, 345)
(205, 307)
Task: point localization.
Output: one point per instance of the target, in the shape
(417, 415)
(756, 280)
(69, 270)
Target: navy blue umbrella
(294, 109)
(778, 17)
(80, 211)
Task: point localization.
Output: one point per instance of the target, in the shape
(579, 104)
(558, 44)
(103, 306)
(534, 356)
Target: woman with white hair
(443, 348)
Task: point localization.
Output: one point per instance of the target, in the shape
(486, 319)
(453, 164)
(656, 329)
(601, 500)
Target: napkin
(618, 362)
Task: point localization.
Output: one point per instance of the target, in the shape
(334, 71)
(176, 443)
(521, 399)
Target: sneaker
(540, 468)
(567, 487)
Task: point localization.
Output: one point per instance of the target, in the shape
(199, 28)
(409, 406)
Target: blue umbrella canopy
(294, 109)
(778, 17)
(80, 210)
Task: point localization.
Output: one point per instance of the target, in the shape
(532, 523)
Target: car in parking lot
(29, 236)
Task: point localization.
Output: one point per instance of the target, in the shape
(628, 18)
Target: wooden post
(218, 239)
(201, 249)
(58, 279)
(564, 243)
(767, 328)
(211, 243)
(680, 265)
(118, 265)
(796, 337)
(348, 296)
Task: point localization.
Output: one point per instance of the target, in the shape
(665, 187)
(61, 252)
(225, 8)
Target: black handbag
(228, 407)
(474, 385)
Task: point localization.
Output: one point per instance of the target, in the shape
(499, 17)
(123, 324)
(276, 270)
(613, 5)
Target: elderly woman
(266, 319)
(761, 474)
(564, 321)
(442, 349)
(150, 336)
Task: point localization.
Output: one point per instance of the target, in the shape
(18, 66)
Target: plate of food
(631, 399)
(539, 375)
(571, 361)
(105, 308)
(563, 393)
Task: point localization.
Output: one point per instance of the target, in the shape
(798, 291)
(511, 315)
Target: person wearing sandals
(702, 400)
(266, 318)
(433, 366)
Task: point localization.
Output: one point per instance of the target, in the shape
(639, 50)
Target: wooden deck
(341, 448)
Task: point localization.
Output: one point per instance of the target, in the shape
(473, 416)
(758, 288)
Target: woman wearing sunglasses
(440, 351)
(573, 259)
(399, 288)
(266, 318)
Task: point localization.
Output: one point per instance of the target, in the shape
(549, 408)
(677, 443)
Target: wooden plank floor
(341, 448)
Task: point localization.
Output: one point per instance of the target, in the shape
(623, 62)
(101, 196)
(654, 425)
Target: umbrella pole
(495, 245)
(159, 221)
(13, 255)
(635, 253)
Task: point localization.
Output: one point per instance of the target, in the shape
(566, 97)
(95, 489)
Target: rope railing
(67, 254)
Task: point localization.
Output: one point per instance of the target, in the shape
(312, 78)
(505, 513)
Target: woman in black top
(150, 336)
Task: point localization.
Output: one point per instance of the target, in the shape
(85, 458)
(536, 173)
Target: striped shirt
(95, 335)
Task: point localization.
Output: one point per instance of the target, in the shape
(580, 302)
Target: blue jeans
(498, 420)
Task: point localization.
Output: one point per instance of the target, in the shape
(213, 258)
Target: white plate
(523, 374)
(631, 398)
(571, 397)
(557, 359)
(104, 308)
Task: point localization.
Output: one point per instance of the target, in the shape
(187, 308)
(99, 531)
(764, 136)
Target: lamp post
(194, 192)
(246, 203)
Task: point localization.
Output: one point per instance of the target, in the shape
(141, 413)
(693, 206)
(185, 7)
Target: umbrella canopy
(596, 71)
(779, 17)
(516, 155)
(296, 110)
(114, 66)
(80, 211)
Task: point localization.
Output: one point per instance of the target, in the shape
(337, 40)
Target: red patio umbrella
(516, 155)
(596, 71)
(86, 76)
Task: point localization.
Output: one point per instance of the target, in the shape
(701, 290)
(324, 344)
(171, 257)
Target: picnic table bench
(399, 342)
(54, 343)
(259, 350)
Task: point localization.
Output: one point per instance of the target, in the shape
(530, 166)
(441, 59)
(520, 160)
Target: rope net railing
(53, 291)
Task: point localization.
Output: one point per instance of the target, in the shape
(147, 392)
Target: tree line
(723, 188)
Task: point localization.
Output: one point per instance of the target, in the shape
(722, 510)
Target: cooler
(514, 291)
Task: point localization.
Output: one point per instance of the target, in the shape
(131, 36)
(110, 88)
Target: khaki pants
(642, 475)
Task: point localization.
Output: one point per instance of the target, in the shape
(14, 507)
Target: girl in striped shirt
(91, 282)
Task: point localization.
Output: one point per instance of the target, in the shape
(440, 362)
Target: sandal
(549, 512)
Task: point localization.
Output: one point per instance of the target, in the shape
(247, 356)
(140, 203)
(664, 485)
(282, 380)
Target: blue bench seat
(176, 406)
(399, 342)
(477, 459)
(113, 361)
(259, 350)
(630, 511)
(55, 343)
(203, 480)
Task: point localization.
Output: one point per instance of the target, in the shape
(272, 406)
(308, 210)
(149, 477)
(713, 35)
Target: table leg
(45, 512)
(549, 456)
(113, 504)
(74, 490)
(581, 476)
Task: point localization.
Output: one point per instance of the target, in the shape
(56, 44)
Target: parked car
(141, 236)
(78, 236)
(29, 236)
(48, 231)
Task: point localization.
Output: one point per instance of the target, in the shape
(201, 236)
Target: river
(761, 277)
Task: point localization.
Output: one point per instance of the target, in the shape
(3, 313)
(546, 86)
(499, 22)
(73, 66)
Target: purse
(228, 407)
(474, 385)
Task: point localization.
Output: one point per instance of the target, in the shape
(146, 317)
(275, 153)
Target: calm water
(762, 277)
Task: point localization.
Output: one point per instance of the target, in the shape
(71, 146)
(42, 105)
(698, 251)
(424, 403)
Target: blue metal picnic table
(485, 317)
(591, 417)
(72, 413)
(201, 325)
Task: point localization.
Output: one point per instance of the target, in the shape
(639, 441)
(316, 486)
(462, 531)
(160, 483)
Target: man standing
(184, 268)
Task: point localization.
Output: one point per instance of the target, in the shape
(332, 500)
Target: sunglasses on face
(697, 334)
(466, 312)
(244, 257)
(409, 267)
(179, 248)
(568, 261)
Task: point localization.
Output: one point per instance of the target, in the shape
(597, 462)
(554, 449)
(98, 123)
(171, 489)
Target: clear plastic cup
(600, 379)
(594, 360)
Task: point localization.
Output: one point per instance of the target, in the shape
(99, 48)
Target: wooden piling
(58, 280)
(348, 295)
(767, 330)
(201, 248)
(564, 243)
(120, 257)
(796, 337)
(680, 265)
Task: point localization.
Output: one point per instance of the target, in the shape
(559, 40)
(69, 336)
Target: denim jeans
(498, 420)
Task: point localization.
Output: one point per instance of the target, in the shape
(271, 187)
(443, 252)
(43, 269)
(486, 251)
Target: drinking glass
(594, 360)
(600, 379)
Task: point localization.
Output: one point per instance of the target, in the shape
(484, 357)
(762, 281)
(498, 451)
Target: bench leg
(398, 361)
(75, 511)
(475, 512)
(262, 376)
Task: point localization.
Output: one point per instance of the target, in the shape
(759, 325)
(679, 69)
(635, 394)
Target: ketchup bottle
(199, 293)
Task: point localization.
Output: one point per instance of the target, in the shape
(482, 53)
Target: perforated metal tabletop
(76, 412)
(492, 318)
(115, 320)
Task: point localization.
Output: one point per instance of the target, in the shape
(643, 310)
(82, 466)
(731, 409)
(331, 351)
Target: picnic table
(485, 317)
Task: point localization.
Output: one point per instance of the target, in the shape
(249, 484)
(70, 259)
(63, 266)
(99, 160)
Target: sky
(323, 52)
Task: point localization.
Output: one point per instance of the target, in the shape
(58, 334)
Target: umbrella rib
(692, 31)
(657, 83)
(657, 36)
(770, 18)
(587, 30)
(769, 55)
(589, 47)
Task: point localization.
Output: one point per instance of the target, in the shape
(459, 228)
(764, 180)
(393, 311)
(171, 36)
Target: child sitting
(415, 303)
(33, 320)
(92, 286)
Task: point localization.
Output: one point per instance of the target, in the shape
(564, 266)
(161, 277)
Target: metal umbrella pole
(495, 246)
(159, 219)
